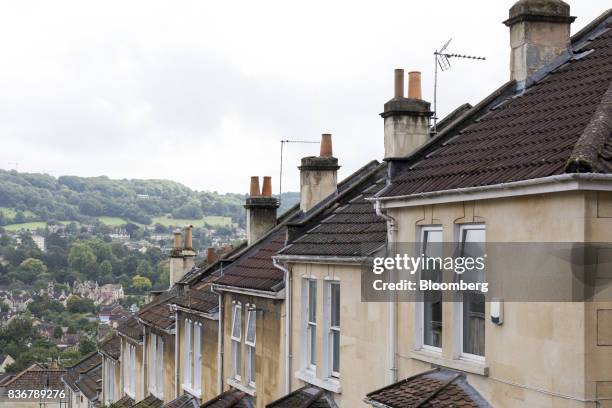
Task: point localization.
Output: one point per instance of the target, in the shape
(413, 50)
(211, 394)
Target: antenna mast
(442, 60)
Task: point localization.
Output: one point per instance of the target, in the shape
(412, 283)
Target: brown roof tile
(74, 372)
(131, 328)
(125, 402)
(36, 378)
(111, 347)
(230, 399)
(90, 383)
(561, 123)
(184, 401)
(305, 397)
(433, 389)
(150, 402)
(158, 313)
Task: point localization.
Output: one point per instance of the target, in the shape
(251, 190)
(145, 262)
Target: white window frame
(459, 304)
(152, 363)
(309, 326)
(420, 304)
(159, 369)
(251, 350)
(197, 358)
(187, 354)
(330, 329)
(129, 380)
(236, 341)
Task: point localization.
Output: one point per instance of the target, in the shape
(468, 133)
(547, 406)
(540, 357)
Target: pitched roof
(200, 298)
(90, 383)
(184, 401)
(124, 402)
(150, 402)
(436, 388)
(74, 372)
(230, 399)
(254, 269)
(111, 347)
(560, 123)
(158, 313)
(131, 328)
(305, 397)
(36, 377)
(352, 228)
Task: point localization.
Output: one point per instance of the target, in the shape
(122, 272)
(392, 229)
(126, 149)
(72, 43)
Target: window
(109, 380)
(250, 340)
(472, 304)
(431, 306)
(129, 373)
(188, 353)
(311, 324)
(236, 338)
(152, 364)
(192, 357)
(334, 329)
(197, 357)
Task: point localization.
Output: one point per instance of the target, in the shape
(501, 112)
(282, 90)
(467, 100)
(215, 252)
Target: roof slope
(36, 377)
(305, 397)
(560, 123)
(150, 402)
(74, 372)
(90, 383)
(352, 228)
(111, 347)
(230, 399)
(158, 312)
(432, 389)
(184, 401)
(131, 328)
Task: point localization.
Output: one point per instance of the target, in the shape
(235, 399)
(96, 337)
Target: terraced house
(281, 321)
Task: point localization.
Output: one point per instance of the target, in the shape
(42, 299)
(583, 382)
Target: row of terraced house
(280, 321)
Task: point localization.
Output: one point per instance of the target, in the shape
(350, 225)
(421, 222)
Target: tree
(86, 346)
(76, 304)
(144, 268)
(106, 270)
(4, 307)
(141, 283)
(58, 332)
(81, 258)
(30, 269)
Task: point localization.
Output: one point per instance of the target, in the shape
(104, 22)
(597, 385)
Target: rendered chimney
(176, 258)
(539, 33)
(260, 210)
(318, 175)
(188, 251)
(406, 119)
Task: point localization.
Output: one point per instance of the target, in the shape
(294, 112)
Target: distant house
(39, 240)
(5, 360)
(36, 377)
(83, 382)
(111, 313)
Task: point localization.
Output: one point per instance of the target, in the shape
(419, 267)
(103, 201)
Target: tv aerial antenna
(280, 178)
(442, 60)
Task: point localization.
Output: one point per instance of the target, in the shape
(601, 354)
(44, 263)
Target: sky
(202, 92)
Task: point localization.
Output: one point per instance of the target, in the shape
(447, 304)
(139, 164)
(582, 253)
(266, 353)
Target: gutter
(316, 259)
(250, 292)
(210, 316)
(288, 356)
(220, 344)
(549, 184)
(392, 332)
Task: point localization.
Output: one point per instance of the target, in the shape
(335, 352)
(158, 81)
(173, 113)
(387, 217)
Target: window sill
(329, 384)
(461, 364)
(191, 391)
(232, 382)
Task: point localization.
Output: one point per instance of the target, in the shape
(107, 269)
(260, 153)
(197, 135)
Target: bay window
(197, 358)
(156, 366)
(236, 337)
(471, 314)
(334, 329)
(129, 371)
(187, 353)
(430, 313)
(310, 310)
(249, 341)
(192, 355)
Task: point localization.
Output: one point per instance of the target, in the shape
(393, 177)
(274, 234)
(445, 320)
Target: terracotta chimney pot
(188, 236)
(266, 190)
(177, 239)
(255, 191)
(399, 83)
(211, 255)
(414, 85)
(326, 145)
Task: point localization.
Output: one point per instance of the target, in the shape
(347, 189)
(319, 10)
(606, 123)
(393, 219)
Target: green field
(112, 221)
(11, 212)
(31, 225)
(213, 220)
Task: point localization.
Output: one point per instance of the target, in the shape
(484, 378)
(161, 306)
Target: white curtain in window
(187, 354)
(197, 357)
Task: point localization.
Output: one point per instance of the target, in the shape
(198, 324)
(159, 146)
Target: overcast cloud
(202, 92)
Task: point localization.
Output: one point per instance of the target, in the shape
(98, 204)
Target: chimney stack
(318, 175)
(188, 251)
(260, 209)
(211, 255)
(177, 239)
(539, 33)
(182, 256)
(406, 119)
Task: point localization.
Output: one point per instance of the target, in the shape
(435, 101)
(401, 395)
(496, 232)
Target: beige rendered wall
(540, 346)
(363, 332)
(209, 349)
(269, 361)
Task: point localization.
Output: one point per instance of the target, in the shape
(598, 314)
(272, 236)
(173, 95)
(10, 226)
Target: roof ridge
(589, 145)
